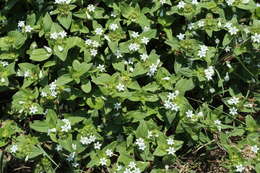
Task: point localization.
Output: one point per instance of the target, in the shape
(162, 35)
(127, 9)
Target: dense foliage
(129, 86)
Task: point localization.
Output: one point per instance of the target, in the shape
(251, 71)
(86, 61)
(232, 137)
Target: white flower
(190, 26)
(71, 157)
(85, 140)
(118, 54)
(62, 1)
(33, 109)
(144, 57)
(170, 141)
(2, 80)
(195, 2)
(88, 42)
(173, 95)
(233, 101)
(233, 111)
(101, 68)
(189, 114)
(171, 150)
(21, 24)
(113, 14)
(119, 167)
(66, 127)
(146, 28)
(217, 122)
(150, 134)
(75, 164)
(132, 165)
(203, 51)
(58, 148)
(256, 38)
(140, 143)
(153, 68)
(135, 34)
(99, 31)
(254, 148)
(181, 4)
(209, 72)
(172, 106)
(217, 41)
(227, 49)
(117, 106)
(240, 168)
(62, 34)
(103, 161)
(145, 40)
(91, 8)
(120, 87)
(233, 30)
(97, 145)
(113, 26)
(28, 28)
(249, 105)
(54, 35)
(201, 23)
(26, 74)
(109, 153)
(93, 52)
(162, 1)
(53, 86)
(181, 36)
(14, 148)
(134, 47)
(200, 114)
(230, 2)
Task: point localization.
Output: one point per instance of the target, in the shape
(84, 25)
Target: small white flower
(135, 34)
(117, 106)
(67, 126)
(140, 143)
(134, 47)
(256, 38)
(113, 26)
(162, 1)
(249, 105)
(144, 57)
(233, 111)
(170, 141)
(217, 122)
(109, 153)
(101, 67)
(226, 78)
(200, 114)
(74, 146)
(230, 2)
(254, 148)
(227, 49)
(201, 23)
(93, 52)
(97, 145)
(21, 24)
(181, 36)
(103, 161)
(54, 35)
(132, 165)
(99, 31)
(118, 54)
(120, 87)
(233, 101)
(146, 28)
(62, 34)
(181, 4)
(14, 148)
(189, 114)
(209, 72)
(240, 168)
(4, 63)
(75, 164)
(91, 8)
(58, 148)
(217, 41)
(28, 28)
(173, 95)
(119, 167)
(145, 40)
(190, 26)
(233, 30)
(195, 2)
(171, 150)
(33, 110)
(26, 74)
(88, 42)
(71, 157)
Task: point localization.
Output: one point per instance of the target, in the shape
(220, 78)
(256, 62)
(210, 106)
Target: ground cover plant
(129, 86)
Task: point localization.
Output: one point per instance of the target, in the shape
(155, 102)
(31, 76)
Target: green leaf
(39, 126)
(39, 54)
(184, 85)
(86, 87)
(65, 20)
(142, 130)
